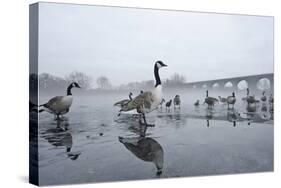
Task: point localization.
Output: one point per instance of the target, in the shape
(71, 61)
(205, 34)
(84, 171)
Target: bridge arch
(242, 85)
(263, 84)
(216, 85)
(228, 84)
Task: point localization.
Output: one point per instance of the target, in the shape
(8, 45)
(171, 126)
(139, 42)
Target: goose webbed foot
(145, 122)
(150, 125)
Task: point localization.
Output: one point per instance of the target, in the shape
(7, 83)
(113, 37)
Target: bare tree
(81, 78)
(175, 80)
(103, 82)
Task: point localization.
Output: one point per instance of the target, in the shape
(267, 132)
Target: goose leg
(143, 131)
(141, 123)
(144, 119)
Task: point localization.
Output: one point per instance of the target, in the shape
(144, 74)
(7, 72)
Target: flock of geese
(143, 147)
(144, 103)
(252, 102)
(149, 101)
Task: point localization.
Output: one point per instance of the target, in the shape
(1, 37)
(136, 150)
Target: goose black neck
(130, 96)
(68, 91)
(207, 93)
(156, 75)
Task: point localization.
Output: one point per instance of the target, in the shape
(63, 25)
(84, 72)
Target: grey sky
(123, 43)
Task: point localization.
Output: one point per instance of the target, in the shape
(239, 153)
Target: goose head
(75, 84)
(157, 66)
(160, 64)
(233, 94)
(72, 85)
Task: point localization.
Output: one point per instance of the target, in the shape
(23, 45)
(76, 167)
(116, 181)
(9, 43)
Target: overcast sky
(123, 43)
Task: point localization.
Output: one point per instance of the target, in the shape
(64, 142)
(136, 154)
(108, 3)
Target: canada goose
(196, 103)
(177, 101)
(271, 100)
(231, 100)
(210, 101)
(161, 103)
(168, 104)
(146, 149)
(251, 107)
(149, 100)
(271, 105)
(263, 98)
(123, 102)
(60, 105)
(232, 117)
(264, 107)
(222, 99)
(249, 98)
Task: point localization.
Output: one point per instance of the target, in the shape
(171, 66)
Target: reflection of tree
(103, 82)
(81, 78)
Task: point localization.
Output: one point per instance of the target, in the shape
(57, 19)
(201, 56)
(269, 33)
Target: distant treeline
(49, 83)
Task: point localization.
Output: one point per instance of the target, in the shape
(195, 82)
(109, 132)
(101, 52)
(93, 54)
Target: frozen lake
(92, 144)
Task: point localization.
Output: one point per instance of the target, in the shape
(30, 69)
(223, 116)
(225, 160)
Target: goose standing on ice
(263, 98)
(177, 101)
(196, 103)
(148, 101)
(249, 98)
(162, 102)
(271, 99)
(222, 99)
(122, 103)
(60, 105)
(168, 104)
(210, 101)
(231, 100)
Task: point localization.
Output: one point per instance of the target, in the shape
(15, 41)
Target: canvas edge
(33, 93)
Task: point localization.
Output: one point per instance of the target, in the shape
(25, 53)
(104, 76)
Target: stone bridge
(235, 83)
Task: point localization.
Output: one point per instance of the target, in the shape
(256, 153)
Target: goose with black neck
(60, 105)
(148, 101)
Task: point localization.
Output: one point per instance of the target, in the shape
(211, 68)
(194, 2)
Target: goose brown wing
(121, 103)
(143, 100)
(53, 102)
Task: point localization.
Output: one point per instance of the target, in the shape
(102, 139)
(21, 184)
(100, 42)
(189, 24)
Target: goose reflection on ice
(146, 149)
(233, 116)
(208, 116)
(61, 137)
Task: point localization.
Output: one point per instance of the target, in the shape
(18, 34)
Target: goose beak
(164, 65)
